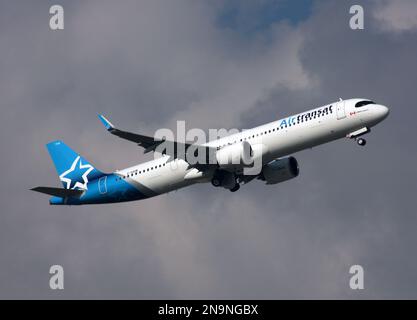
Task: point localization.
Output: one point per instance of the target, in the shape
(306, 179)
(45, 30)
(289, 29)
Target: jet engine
(235, 155)
(280, 170)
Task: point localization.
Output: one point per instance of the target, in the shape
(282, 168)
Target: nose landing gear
(357, 134)
(361, 141)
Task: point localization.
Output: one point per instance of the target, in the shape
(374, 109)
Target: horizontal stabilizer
(59, 192)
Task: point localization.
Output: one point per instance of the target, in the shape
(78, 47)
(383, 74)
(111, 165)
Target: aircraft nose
(382, 111)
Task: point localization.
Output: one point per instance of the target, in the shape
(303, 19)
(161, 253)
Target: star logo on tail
(76, 175)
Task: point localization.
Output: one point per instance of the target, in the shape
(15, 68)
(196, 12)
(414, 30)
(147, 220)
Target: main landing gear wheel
(216, 182)
(361, 142)
(235, 188)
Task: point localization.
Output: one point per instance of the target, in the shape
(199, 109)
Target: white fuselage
(276, 139)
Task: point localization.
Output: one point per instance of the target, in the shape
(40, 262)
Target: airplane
(271, 144)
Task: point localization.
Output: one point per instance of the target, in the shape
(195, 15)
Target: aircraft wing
(171, 148)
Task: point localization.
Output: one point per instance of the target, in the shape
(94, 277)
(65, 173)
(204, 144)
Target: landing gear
(356, 135)
(226, 180)
(216, 182)
(361, 141)
(235, 188)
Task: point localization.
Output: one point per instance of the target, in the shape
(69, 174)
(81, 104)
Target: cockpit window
(363, 103)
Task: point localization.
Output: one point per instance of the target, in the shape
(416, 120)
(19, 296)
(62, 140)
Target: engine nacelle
(235, 155)
(280, 170)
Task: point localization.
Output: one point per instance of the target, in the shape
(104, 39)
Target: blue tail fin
(73, 170)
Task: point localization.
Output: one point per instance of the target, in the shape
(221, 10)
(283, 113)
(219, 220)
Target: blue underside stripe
(112, 189)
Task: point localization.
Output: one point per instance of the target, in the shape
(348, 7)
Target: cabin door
(102, 185)
(340, 110)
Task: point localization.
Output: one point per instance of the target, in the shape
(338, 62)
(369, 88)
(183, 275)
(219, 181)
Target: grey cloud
(396, 16)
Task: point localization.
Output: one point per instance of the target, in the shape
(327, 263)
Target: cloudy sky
(214, 64)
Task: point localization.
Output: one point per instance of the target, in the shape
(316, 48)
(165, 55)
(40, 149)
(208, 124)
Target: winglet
(109, 126)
